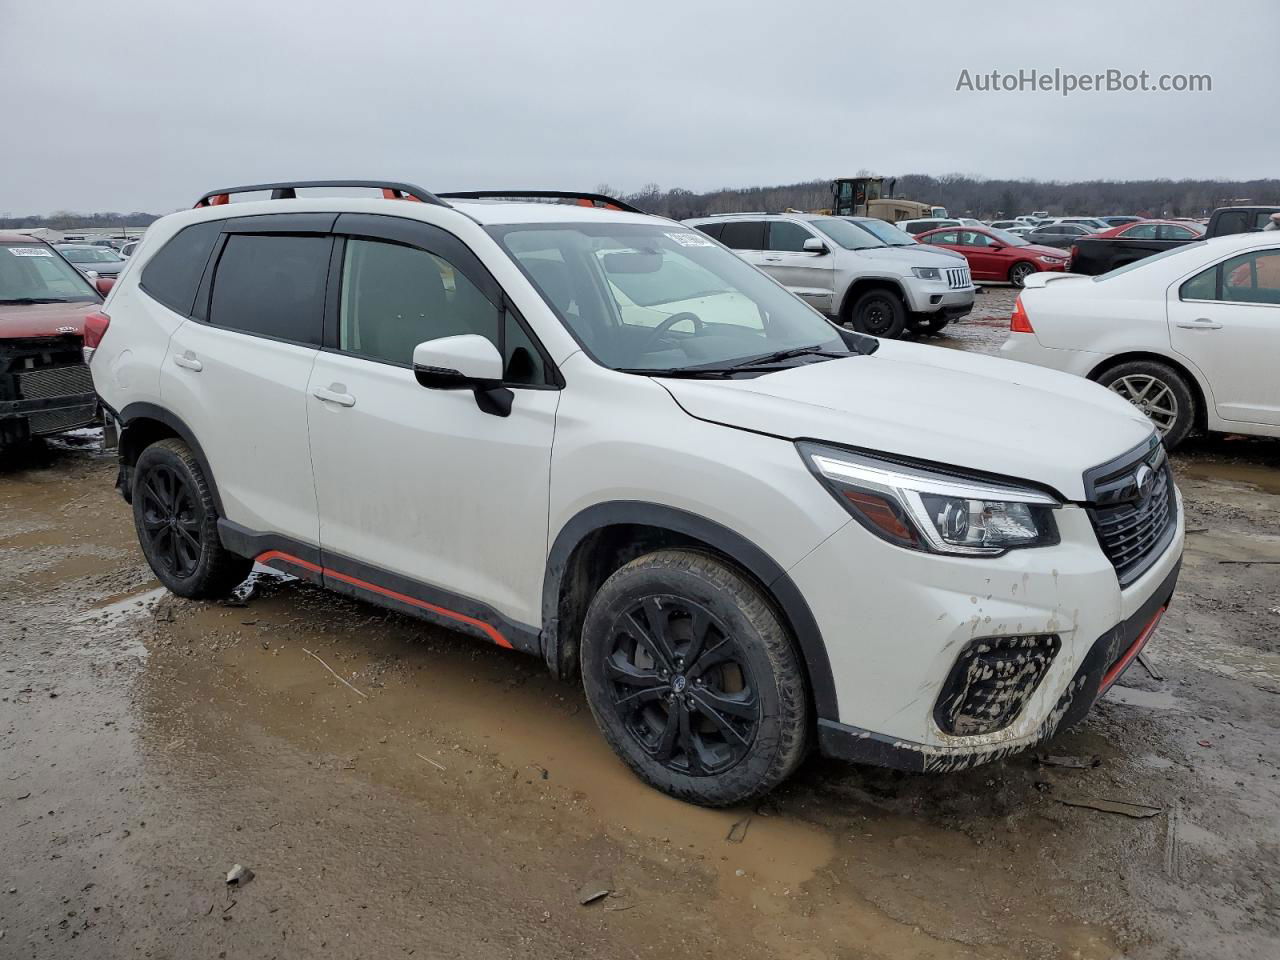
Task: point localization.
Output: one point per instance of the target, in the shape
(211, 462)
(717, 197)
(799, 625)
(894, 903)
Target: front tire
(693, 679)
(176, 520)
(1019, 272)
(1160, 392)
(879, 313)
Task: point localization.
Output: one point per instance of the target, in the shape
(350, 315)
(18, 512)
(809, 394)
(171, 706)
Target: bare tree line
(965, 195)
(961, 194)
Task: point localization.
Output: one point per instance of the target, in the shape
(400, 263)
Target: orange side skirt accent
(489, 631)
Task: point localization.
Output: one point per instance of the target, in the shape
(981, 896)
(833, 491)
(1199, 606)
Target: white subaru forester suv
(601, 438)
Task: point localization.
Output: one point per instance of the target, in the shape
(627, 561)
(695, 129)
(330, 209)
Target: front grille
(58, 421)
(44, 382)
(1133, 509)
(992, 680)
(958, 277)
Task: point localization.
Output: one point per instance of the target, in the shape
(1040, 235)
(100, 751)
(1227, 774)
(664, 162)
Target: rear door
(1226, 320)
(809, 275)
(237, 372)
(747, 239)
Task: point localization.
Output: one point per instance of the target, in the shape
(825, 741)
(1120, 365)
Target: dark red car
(997, 254)
(45, 387)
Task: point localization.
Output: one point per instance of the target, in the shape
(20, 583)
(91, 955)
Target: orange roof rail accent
(389, 193)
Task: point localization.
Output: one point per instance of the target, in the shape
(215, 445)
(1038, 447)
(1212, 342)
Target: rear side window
(1143, 231)
(743, 235)
(1252, 278)
(710, 229)
(272, 285)
(173, 274)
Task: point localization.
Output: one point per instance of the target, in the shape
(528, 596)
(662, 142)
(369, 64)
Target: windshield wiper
(780, 355)
(27, 301)
(689, 373)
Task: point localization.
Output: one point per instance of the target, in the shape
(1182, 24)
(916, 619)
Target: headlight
(927, 273)
(1050, 259)
(923, 509)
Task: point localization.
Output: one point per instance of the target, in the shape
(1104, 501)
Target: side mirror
(104, 284)
(814, 245)
(464, 362)
(995, 246)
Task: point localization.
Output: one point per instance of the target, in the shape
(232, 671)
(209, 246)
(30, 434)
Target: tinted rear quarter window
(710, 229)
(743, 235)
(272, 285)
(173, 274)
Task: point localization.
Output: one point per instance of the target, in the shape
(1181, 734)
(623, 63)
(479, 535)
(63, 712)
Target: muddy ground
(453, 801)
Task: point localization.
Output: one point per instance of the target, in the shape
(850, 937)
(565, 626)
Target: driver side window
(395, 297)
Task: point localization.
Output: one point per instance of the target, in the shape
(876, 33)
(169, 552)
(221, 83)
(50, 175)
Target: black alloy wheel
(681, 686)
(172, 520)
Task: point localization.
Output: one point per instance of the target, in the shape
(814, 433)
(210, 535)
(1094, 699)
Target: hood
(930, 403)
(904, 258)
(44, 319)
(1044, 250)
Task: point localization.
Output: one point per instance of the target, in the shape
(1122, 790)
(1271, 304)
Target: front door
(1226, 320)
(422, 494)
(809, 275)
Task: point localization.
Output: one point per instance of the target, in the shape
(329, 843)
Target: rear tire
(693, 679)
(177, 524)
(1160, 392)
(879, 313)
(1019, 272)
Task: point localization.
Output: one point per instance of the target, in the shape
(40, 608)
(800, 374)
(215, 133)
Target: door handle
(334, 393)
(188, 361)
(773, 259)
(1200, 323)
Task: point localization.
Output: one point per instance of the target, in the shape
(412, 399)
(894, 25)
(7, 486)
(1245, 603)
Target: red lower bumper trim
(487, 629)
(1119, 667)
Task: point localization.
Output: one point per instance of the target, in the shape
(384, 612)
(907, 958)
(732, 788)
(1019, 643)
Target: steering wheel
(667, 324)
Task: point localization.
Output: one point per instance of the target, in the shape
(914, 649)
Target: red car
(45, 387)
(997, 254)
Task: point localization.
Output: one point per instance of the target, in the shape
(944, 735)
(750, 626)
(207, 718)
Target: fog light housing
(991, 682)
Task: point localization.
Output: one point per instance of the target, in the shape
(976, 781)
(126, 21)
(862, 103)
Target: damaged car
(598, 437)
(45, 386)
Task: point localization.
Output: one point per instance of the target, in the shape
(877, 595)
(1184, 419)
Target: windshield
(847, 233)
(36, 273)
(89, 254)
(1007, 238)
(642, 297)
(886, 233)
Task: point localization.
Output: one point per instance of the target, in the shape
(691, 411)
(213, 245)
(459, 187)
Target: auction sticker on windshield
(690, 239)
(30, 252)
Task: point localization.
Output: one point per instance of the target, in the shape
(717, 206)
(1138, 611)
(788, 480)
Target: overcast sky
(145, 104)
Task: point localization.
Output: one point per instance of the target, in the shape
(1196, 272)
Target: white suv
(600, 438)
(862, 271)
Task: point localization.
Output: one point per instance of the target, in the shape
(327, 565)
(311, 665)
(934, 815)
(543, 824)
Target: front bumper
(1108, 658)
(895, 623)
(934, 296)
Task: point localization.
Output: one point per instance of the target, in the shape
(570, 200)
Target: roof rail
(583, 199)
(288, 191)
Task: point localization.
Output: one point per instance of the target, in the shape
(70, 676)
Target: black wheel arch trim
(780, 587)
(142, 410)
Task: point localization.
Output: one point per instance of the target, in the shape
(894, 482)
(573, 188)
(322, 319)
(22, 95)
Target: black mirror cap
(491, 396)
